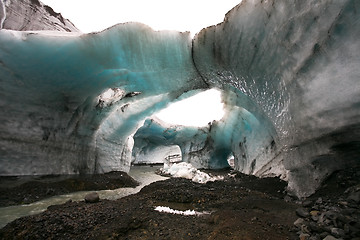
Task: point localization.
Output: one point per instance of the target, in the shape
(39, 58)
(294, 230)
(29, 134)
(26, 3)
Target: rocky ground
(25, 190)
(334, 211)
(240, 207)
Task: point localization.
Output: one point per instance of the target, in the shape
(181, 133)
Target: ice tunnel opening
(157, 155)
(168, 136)
(231, 161)
(197, 111)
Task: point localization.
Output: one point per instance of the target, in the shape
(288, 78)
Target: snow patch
(186, 170)
(172, 211)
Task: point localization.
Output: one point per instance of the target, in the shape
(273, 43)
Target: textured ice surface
(2, 13)
(288, 71)
(192, 141)
(28, 15)
(157, 154)
(72, 103)
(295, 64)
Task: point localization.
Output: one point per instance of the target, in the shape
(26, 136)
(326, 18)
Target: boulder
(92, 197)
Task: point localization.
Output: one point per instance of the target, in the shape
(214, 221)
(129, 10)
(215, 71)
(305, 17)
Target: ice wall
(296, 64)
(28, 15)
(156, 155)
(2, 13)
(70, 103)
(191, 140)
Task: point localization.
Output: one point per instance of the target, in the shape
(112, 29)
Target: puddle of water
(143, 174)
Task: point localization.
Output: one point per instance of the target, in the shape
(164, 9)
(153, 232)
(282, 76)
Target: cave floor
(15, 190)
(240, 207)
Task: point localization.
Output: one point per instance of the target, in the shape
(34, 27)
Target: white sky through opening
(184, 15)
(197, 110)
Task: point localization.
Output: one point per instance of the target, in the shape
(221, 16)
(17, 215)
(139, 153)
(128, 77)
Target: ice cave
(287, 74)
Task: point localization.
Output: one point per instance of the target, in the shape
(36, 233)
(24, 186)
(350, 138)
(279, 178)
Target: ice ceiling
(288, 71)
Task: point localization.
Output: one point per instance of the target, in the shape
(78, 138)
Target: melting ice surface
(288, 72)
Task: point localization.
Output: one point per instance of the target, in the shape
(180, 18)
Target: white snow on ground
(186, 170)
(172, 211)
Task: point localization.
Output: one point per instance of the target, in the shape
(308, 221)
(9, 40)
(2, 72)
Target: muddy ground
(240, 207)
(16, 190)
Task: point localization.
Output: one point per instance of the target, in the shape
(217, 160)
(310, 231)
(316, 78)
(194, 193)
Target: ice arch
(240, 133)
(60, 116)
(288, 72)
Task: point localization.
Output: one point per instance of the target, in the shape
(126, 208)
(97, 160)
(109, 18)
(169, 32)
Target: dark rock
(348, 211)
(299, 222)
(354, 197)
(329, 237)
(323, 235)
(305, 228)
(302, 212)
(355, 230)
(346, 228)
(315, 228)
(343, 203)
(344, 219)
(316, 207)
(314, 213)
(331, 214)
(307, 203)
(92, 197)
(315, 237)
(287, 198)
(315, 218)
(304, 236)
(337, 232)
(328, 222)
(319, 200)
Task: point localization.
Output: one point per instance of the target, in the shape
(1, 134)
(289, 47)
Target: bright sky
(180, 15)
(197, 110)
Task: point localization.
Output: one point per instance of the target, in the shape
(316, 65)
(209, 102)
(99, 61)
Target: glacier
(32, 15)
(66, 120)
(288, 72)
(295, 66)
